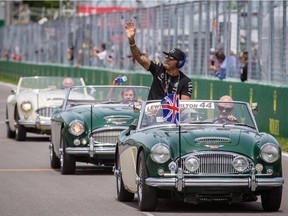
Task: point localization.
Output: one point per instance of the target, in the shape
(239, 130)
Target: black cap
(176, 53)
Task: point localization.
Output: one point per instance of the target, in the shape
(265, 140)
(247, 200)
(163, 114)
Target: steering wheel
(128, 101)
(219, 120)
(110, 102)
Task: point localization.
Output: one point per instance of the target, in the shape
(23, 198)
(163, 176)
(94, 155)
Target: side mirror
(13, 91)
(134, 124)
(132, 127)
(254, 108)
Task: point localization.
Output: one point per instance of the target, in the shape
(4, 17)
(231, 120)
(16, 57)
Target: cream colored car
(31, 104)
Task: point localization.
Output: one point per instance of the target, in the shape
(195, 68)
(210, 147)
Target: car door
(56, 126)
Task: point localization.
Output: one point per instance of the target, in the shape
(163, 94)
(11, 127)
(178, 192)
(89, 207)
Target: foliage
(45, 3)
(284, 143)
(36, 8)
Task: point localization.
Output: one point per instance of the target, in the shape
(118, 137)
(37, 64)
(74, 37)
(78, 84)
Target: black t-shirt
(157, 90)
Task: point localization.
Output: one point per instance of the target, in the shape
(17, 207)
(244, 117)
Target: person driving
(128, 93)
(68, 82)
(225, 110)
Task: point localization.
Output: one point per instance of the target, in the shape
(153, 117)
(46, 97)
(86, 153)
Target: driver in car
(128, 94)
(225, 110)
(68, 82)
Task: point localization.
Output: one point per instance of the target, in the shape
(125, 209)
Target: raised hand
(115, 81)
(130, 30)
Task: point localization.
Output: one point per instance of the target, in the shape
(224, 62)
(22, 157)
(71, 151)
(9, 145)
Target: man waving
(167, 77)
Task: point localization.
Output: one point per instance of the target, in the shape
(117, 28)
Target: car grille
(213, 140)
(106, 136)
(45, 111)
(214, 163)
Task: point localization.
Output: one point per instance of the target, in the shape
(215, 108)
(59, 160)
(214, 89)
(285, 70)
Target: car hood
(43, 98)
(102, 115)
(199, 139)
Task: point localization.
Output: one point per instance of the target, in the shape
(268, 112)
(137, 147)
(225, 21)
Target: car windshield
(39, 82)
(80, 95)
(194, 112)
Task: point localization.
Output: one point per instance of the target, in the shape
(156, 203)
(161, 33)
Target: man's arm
(185, 97)
(136, 53)
(111, 92)
(187, 90)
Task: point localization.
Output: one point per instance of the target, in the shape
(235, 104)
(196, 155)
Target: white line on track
(147, 213)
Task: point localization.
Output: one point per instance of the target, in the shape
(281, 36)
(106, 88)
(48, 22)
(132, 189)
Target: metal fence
(198, 27)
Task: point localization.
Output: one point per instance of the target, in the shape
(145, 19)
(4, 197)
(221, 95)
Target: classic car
(85, 129)
(204, 158)
(31, 103)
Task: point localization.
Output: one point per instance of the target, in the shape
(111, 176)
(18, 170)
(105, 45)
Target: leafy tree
(37, 6)
(44, 3)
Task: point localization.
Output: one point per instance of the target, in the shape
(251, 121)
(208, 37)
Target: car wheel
(147, 196)
(54, 160)
(68, 163)
(271, 199)
(10, 133)
(20, 133)
(122, 194)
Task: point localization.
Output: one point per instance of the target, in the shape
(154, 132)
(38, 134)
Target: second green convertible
(85, 128)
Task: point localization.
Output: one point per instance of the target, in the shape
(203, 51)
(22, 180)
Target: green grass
(284, 143)
(7, 80)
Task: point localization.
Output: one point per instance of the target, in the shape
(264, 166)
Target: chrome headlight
(240, 163)
(269, 153)
(160, 153)
(192, 163)
(76, 128)
(26, 106)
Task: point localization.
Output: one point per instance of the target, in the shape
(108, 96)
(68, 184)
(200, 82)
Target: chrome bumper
(91, 150)
(39, 124)
(86, 150)
(215, 182)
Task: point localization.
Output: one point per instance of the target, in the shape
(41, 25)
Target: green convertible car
(85, 128)
(214, 154)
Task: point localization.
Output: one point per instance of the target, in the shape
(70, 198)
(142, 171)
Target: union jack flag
(170, 106)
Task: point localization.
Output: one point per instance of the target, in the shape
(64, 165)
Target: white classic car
(32, 102)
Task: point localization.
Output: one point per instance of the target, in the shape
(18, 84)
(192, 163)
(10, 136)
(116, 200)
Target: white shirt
(102, 54)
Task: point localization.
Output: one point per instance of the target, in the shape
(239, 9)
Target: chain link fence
(198, 28)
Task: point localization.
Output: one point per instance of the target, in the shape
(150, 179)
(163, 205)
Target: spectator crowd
(220, 65)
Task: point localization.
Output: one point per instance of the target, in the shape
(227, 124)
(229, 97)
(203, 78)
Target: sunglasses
(170, 57)
(227, 109)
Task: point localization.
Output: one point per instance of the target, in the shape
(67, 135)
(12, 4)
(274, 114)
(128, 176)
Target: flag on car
(170, 107)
